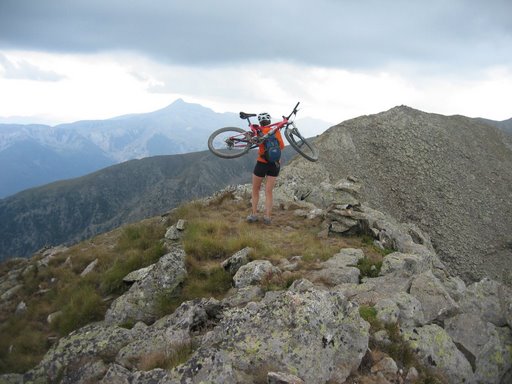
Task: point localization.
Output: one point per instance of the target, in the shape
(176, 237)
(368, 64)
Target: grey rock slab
(435, 300)
(253, 273)
(314, 334)
(437, 350)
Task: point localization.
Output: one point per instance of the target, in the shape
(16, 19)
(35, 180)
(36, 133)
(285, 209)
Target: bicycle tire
(300, 144)
(226, 150)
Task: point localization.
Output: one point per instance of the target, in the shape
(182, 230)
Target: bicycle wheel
(300, 144)
(229, 142)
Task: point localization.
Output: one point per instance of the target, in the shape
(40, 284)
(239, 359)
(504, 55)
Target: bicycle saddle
(244, 115)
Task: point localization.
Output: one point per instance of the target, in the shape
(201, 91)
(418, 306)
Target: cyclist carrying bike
(264, 169)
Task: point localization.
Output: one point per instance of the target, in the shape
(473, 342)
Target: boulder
(435, 300)
(410, 310)
(339, 269)
(490, 300)
(233, 263)
(407, 263)
(139, 303)
(85, 345)
(89, 268)
(437, 350)
(314, 334)
(253, 273)
(494, 360)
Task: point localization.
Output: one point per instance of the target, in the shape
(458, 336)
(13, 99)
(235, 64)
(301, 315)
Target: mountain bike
(231, 142)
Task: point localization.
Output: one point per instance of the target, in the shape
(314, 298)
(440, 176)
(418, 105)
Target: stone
(437, 351)
(316, 335)
(180, 225)
(21, 309)
(254, 273)
(387, 311)
(139, 274)
(410, 310)
(408, 263)
(387, 366)
(68, 355)
(435, 300)
(489, 299)
(89, 268)
(494, 360)
(461, 329)
(233, 263)
(283, 378)
(139, 303)
(244, 295)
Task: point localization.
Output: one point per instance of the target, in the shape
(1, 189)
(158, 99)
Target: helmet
(264, 119)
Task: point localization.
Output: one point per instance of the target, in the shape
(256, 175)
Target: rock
(315, 334)
(116, 374)
(494, 360)
(139, 303)
(461, 329)
(412, 376)
(407, 263)
(283, 378)
(84, 371)
(180, 225)
(435, 300)
(339, 269)
(52, 316)
(89, 268)
(21, 309)
(49, 254)
(72, 351)
(489, 299)
(233, 263)
(244, 295)
(386, 366)
(489, 349)
(173, 233)
(253, 273)
(11, 378)
(410, 310)
(387, 311)
(9, 294)
(139, 274)
(437, 351)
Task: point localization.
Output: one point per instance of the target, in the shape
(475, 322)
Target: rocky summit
(450, 175)
(408, 321)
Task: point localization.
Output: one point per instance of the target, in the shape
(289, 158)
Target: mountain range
(450, 175)
(33, 154)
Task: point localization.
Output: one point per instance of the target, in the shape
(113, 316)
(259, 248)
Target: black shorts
(266, 169)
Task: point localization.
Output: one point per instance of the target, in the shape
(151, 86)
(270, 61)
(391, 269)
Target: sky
(69, 60)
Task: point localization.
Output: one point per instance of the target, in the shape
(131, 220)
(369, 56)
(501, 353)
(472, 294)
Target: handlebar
(294, 111)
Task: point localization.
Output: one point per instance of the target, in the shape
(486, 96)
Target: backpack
(272, 149)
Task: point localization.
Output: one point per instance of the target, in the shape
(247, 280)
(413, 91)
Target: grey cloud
(347, 33)
(27, 71)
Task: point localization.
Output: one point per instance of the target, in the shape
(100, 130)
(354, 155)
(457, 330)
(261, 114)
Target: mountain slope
(451, 175)
(32, 155)
(71, 210)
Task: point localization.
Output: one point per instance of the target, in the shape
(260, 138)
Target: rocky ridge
(450, 175)
(312, 332)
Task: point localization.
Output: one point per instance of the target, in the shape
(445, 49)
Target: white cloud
(106, 85)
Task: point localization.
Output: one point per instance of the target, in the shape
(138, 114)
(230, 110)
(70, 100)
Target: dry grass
(213, 233)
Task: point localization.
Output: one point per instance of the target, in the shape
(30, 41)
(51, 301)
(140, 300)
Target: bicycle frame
(256, 129)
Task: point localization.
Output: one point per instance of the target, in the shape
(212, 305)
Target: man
(264, 169)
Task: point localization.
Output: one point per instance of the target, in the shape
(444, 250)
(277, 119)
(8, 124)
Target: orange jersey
(261, 148)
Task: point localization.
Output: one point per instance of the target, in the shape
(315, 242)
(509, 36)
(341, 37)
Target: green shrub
(369, 268)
